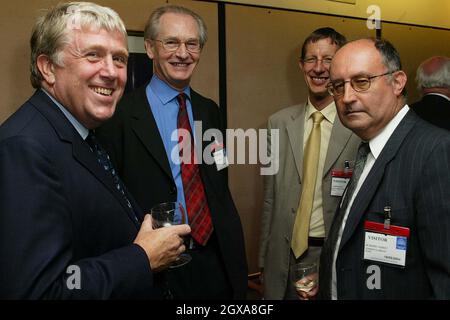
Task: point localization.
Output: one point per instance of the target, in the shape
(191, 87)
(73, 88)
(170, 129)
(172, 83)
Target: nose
(319, 66)
(182, 51)
(109, 70)
(349, 93)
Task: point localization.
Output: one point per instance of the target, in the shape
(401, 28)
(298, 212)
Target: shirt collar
(329, 112)
(82, 130)
(438, 94)
(164, 92)
(377, 143)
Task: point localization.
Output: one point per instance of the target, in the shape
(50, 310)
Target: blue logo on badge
(401, 243)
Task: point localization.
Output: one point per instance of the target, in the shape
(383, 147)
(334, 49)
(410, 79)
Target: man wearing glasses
(389, 238)
(300, 200)
(143, 139)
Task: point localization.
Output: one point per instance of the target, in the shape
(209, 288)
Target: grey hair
(389, 56)
(152, 27)
(52, 31)
(437, 79)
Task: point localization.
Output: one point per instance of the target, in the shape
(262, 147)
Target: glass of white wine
(305, 276)
(168, 214)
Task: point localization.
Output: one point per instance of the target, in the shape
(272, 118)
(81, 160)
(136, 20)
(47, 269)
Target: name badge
(220, 157)
(339, 181)
(386, 245)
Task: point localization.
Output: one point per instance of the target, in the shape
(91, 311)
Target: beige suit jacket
(282, 192)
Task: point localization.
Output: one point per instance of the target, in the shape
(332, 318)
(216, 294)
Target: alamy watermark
(251, 146)
(374, 280)
(374, 20)
(73, 281)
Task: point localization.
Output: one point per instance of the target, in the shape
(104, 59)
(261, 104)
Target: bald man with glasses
(389, 238)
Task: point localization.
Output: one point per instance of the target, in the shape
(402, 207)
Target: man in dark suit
(145, 140)
(389, 238)
(68, 227)
(433, 81)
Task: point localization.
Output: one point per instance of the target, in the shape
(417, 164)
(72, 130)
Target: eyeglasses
(359, 84)
(314, 60)
(171, 45)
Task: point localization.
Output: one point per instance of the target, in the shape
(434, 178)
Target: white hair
(440, 78)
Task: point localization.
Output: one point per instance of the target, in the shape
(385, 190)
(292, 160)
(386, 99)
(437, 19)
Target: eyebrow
(178, 39)
(101, 48)
(358, 75)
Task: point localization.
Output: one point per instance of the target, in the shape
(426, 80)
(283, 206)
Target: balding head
(433, 76)
(367, 83)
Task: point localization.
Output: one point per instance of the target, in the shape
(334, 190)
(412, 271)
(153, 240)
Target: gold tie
(310, 164)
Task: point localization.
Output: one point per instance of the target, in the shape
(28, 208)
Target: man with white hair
(68, 227)
(433, 82)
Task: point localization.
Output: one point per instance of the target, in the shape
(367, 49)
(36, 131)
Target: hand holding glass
(305, 276)
(168, 214)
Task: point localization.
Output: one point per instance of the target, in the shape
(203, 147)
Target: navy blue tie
(105, 162)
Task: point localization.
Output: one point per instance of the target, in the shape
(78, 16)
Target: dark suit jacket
(58, 208)
(412, 175)
(434, 109)
(136, 147)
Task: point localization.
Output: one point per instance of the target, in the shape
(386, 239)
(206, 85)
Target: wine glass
(305, 276)
(168, 214)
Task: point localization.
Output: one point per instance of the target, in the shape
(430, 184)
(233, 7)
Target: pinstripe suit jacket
(412, 175)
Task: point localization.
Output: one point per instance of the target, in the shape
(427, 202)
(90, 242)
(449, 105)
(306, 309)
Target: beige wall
(420, 12)
(16, 21)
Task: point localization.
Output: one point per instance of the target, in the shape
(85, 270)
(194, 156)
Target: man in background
(300, 200)
(68, 227)
(433, 82)
(145, 138)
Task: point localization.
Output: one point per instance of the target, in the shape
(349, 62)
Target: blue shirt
(164, 107)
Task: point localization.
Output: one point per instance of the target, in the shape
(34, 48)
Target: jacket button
(173, 190)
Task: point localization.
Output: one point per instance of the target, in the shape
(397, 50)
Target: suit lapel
(146, 129)
(80, 149)
(83, 154)
(295, 131)
(371, 183)
(338, 140)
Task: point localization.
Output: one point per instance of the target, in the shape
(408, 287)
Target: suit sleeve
(266, 216)
(433, 218)
(36, 236)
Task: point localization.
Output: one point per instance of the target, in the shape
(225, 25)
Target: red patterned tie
(194, 192)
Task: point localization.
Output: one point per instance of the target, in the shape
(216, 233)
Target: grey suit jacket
(282, 192)
(412, 175)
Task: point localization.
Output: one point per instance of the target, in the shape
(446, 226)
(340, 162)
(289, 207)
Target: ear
(149, 48)
(46, 67)
(399, 79)
(300, 64)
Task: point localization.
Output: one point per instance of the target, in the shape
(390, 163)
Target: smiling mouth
(179, 64)
(319, 79)
(103, 91)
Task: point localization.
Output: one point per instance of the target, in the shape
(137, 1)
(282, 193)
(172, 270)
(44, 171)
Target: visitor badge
(339, 180)
(386, 245)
